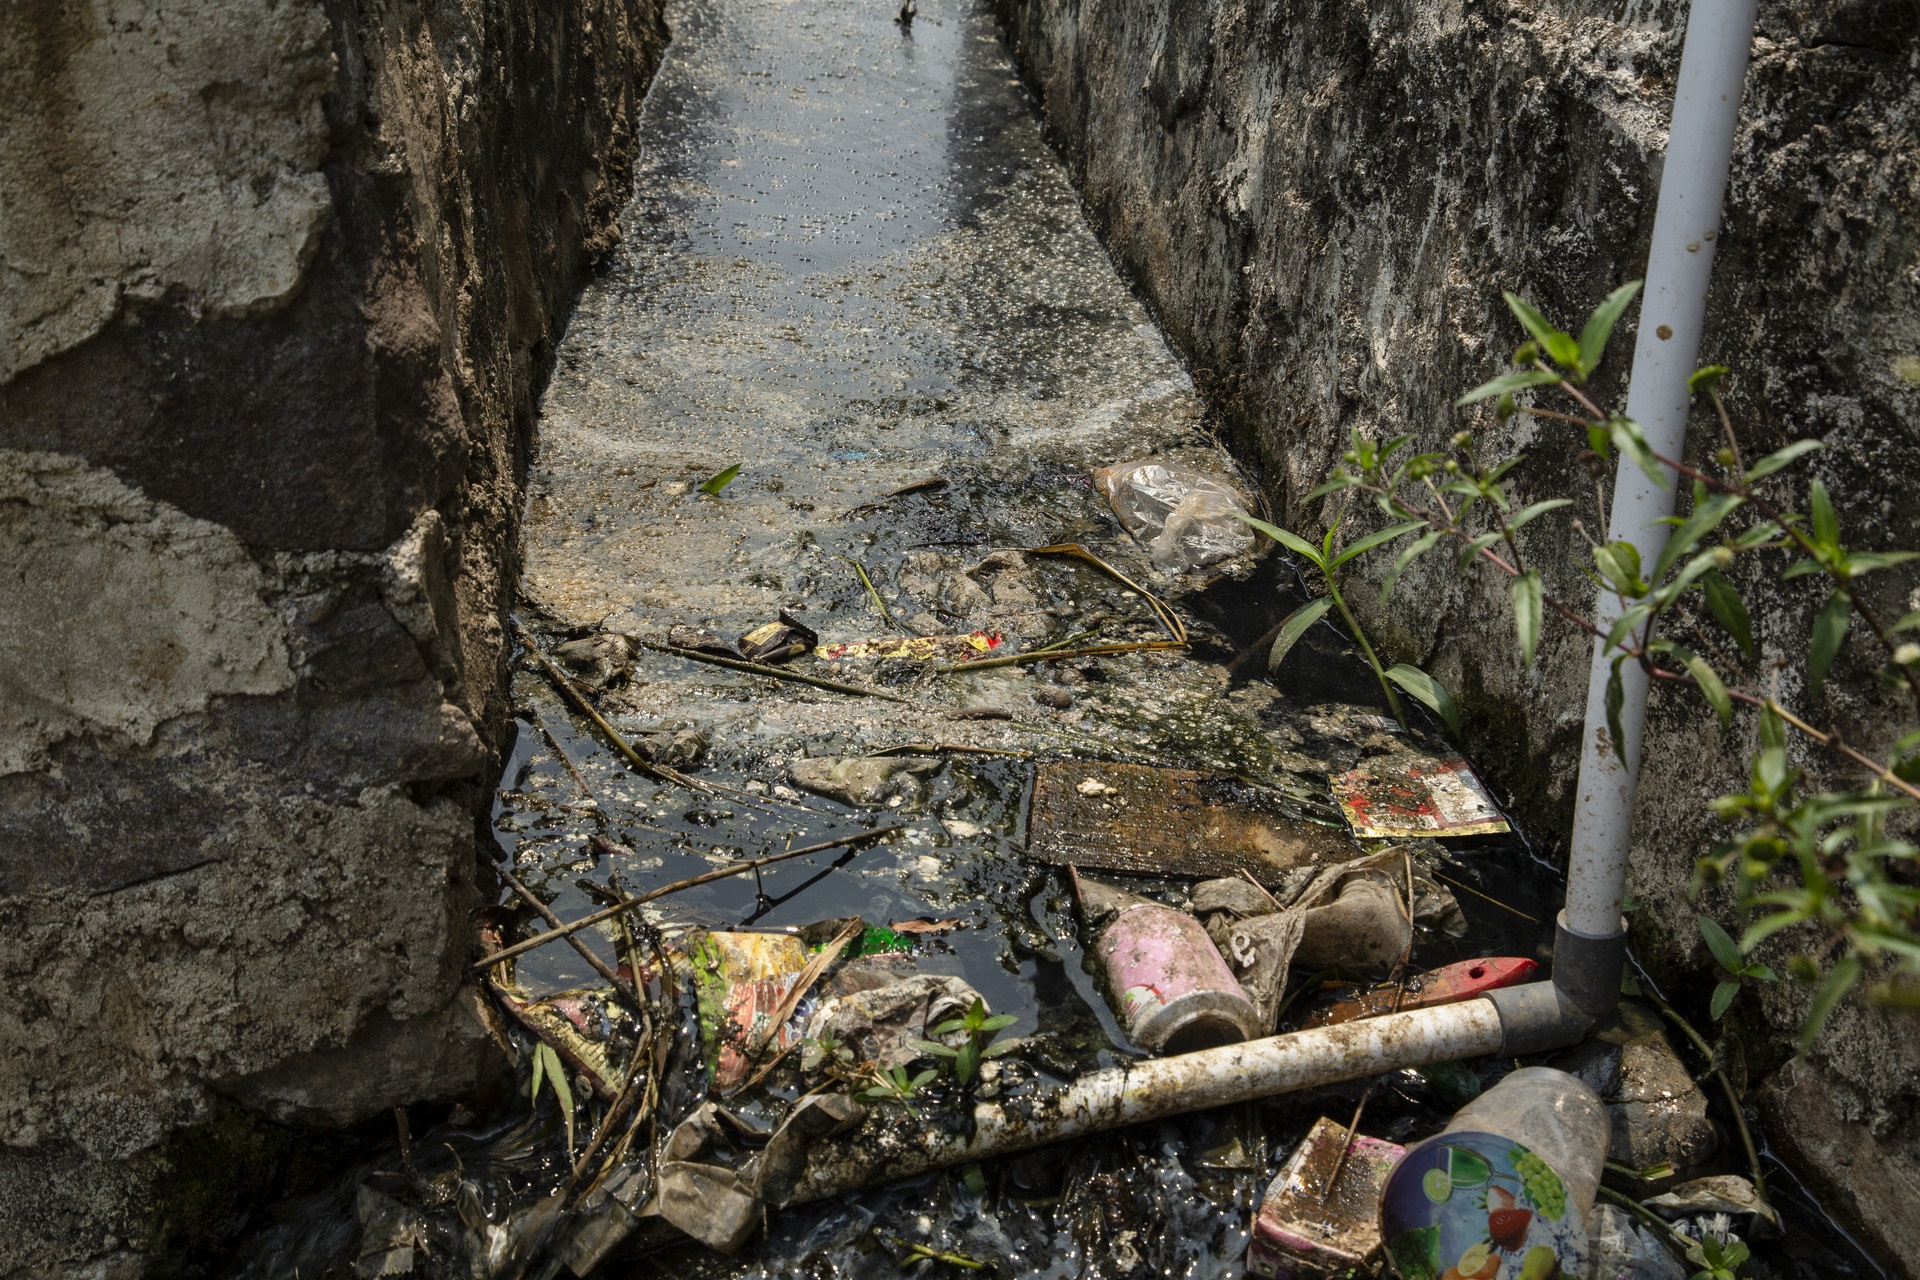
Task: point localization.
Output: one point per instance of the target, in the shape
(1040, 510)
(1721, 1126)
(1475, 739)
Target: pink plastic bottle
(1169, 984)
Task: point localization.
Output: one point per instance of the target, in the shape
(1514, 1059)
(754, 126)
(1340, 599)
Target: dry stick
(640, 1047)
(706, 877)
(1168, 618)
(1399, 976)
(1061, 655)
(1248, 877)
(662, 772)
(934, 748)
(761, 669)
(1733, 1099)
(1489, 897)
(565, 759)
(586, 953)
(861, 571)
(932, 484)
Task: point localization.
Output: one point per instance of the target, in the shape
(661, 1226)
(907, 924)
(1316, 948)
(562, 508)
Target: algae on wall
(278, 287)
(1324, 200)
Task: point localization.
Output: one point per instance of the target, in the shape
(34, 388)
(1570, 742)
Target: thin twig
(1487, 896)
(1168, 618)
(598, 965)
(1733, 1099)
(565, 759)
(886, 617)
(1060, 655)
(719, 873)
(777, 673)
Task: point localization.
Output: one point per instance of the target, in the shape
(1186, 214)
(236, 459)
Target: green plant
(1733, 964)
(892, 1084)
(547, 1066)
(1327, 559)
(826, 1053)
(1843, 885)
(1716, 1259)
(980, 1028)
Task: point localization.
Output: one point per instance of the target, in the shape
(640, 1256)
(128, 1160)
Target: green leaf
(1829, 630)
(1826, 525)
(1711, 687)
(1291, 541)
(1722, 997)
(1527, 594)
(1373, 540)
(1867, 561)
(1630, 440)
(1599, 326)
(715, 484)
(1526, 514)
(1507, 384)
(998, 1021)
(540, 1052)
(1838, 983)
(1729, 609)
(1561, 346)
(999, 1047)
(1774, 461)
(1341, 480)
(1629, 620)
(1726, 952)
(1707, 378)
(1702, 520)
(1907, 623)
(1293, 628)
(557, 1074)
(1619, 563)
(1428, 690)
(1616, 699)
(1471, 552)
(1419, 547)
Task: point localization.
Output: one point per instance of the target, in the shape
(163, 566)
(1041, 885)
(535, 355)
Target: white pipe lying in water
(1153, 1088)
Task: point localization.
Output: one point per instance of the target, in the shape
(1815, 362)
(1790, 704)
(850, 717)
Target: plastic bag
(1186, 518)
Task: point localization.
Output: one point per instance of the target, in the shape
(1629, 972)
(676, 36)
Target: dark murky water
(852, 264)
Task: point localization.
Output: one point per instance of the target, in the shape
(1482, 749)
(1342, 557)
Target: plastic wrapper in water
(1186, 518)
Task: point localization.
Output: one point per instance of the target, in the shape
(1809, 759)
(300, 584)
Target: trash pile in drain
(868, 904)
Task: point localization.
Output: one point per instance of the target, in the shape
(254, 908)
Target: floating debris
(1401, 795)
(1307, 1229)
(1170, 822)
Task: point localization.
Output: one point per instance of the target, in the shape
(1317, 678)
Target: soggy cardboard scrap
(1402, 795)
(915, 648)
(1304, 1227)
(1126, 817)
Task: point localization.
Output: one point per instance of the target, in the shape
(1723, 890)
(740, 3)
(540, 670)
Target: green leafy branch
(1838, 843)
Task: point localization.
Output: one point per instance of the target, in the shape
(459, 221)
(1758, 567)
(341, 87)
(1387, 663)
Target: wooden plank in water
(1182, 822)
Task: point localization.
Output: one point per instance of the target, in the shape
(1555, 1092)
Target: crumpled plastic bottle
(1186, 518)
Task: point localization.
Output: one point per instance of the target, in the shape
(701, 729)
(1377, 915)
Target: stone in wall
(279, 284)
(1323, 200)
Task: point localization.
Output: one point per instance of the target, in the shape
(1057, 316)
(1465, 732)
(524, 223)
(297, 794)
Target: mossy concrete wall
(279, 283)
(1323, 200)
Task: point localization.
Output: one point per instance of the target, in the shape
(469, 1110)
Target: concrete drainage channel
(818, 461)
(903, 856)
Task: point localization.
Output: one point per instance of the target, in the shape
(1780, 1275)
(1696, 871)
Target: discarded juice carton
(1402, 795)
(1305, 1228)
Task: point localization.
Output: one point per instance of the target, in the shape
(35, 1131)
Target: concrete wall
(1324, 198)
(279, 282)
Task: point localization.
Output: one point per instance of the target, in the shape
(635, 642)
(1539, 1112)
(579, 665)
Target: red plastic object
(1446, 985)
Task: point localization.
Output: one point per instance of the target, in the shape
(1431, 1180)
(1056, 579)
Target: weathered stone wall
(279, 283)
(1323, 199)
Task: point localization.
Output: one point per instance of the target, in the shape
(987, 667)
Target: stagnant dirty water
(851, 265)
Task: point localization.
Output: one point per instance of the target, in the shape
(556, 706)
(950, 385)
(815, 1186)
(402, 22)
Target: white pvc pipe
(1686, 226)
(1153, 1088)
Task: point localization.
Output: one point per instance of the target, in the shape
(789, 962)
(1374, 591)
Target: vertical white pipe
(1693, 181)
